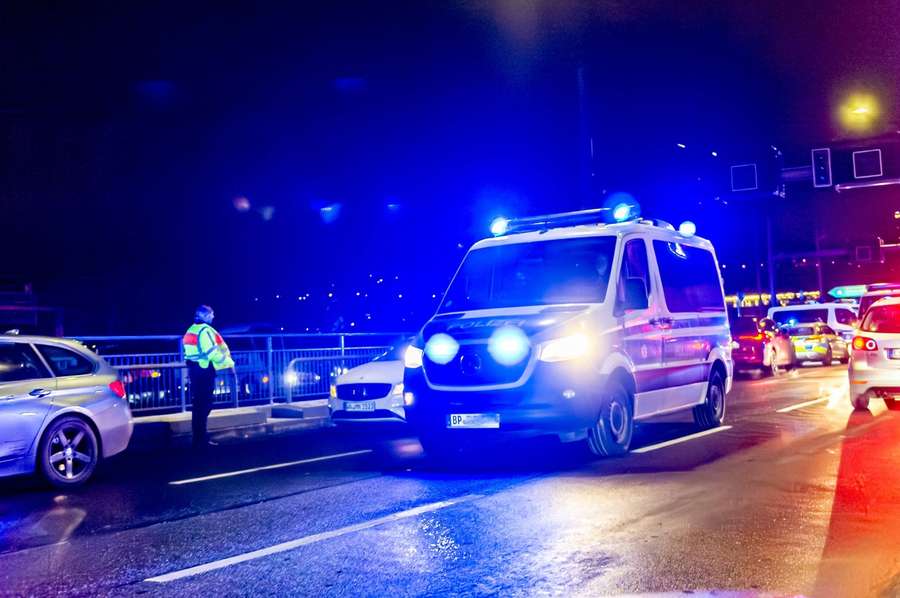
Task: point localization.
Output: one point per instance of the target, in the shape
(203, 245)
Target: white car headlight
(565, 348)
(412, 358)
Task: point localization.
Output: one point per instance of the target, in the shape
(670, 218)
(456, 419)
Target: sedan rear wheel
(68, 452)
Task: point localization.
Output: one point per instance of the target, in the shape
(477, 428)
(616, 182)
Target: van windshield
(523, 274)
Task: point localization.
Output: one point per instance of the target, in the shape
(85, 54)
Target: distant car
(62, 409)
(875, 356)
(759, 345)
(817, 342)
(372, 392)
(839, 316)
(876, 292)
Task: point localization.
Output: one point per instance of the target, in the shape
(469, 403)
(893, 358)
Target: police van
(576, 325)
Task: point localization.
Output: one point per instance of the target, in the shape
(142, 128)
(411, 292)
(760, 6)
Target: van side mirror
(634, 294)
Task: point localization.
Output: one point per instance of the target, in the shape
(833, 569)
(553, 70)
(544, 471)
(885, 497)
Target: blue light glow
(499, 226)
(687, 229)
(621, 212)
(441, 348)
(508, 345)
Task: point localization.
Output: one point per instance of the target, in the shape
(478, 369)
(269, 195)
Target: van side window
(844, 316)
(635, 267)
(689, 276)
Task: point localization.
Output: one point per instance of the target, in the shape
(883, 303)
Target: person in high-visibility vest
(205, 353)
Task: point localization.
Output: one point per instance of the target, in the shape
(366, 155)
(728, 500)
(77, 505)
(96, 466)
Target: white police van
(568, 325)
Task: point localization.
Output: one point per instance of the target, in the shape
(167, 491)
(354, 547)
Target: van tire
(611, 435)
(711, 413)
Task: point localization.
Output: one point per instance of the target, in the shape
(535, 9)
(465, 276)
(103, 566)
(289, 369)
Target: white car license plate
(473, 420)
(363, 406)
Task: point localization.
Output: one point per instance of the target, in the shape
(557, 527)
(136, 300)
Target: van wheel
(861, 403)
(611, 435)
(69, 452)
(712, 412)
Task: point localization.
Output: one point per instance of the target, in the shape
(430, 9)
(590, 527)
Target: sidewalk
(231, 424)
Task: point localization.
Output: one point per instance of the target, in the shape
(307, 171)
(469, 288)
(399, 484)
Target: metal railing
(269, 369)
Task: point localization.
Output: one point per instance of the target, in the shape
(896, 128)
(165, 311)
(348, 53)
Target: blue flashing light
(499, 226)
(508, 345)
(441, 348)
(621, 212)
(687, 229)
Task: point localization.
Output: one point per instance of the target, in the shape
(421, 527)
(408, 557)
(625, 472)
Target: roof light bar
(548, 221)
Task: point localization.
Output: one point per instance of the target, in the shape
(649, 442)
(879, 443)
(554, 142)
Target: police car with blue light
(576, 325)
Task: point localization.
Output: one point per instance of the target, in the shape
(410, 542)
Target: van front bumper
(557, 398)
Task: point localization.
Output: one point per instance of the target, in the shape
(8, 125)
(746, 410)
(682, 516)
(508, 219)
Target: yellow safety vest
(203, 345)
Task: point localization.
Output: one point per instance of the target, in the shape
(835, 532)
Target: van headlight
(565, 348)
(412, 357)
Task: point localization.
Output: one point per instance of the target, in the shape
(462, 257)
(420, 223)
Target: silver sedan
(62, 409)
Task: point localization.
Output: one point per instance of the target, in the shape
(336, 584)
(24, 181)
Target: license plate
(893, 353)
(473, 420)
(363, 406)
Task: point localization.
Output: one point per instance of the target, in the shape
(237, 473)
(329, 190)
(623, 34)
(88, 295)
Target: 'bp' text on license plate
(473, 420)
(893, 353)
(364, 406)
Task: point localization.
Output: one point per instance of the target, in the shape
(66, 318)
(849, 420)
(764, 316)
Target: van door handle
(40, 392)
(661, 321)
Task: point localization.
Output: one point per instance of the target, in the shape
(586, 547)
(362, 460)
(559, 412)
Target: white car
(372, 392)
(565, 325)
(875, 356)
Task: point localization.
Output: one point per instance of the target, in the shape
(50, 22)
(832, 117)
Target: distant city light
(330, 213)
(681, 145)
(714, 154)
(241, 203)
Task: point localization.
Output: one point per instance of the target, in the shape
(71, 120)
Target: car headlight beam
(412, 357)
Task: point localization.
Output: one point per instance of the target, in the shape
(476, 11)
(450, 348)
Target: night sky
(129, 136)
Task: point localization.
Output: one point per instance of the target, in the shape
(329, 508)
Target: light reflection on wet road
(800, 495)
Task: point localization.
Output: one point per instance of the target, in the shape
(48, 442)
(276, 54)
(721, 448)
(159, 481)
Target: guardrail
(269, 369)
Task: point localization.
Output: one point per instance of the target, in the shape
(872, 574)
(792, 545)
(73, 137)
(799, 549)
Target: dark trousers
(203, 382)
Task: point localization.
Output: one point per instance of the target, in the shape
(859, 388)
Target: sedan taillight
(118, 388)
(861, 343)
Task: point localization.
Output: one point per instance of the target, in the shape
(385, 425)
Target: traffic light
(821, 166)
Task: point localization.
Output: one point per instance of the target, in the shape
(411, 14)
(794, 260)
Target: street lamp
(859, 112)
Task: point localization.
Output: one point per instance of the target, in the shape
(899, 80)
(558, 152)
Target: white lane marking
(654, 447)
(802, 405)
(231, 474)
(306, 540)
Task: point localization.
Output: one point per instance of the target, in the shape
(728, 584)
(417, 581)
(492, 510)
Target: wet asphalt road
(789, 497)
